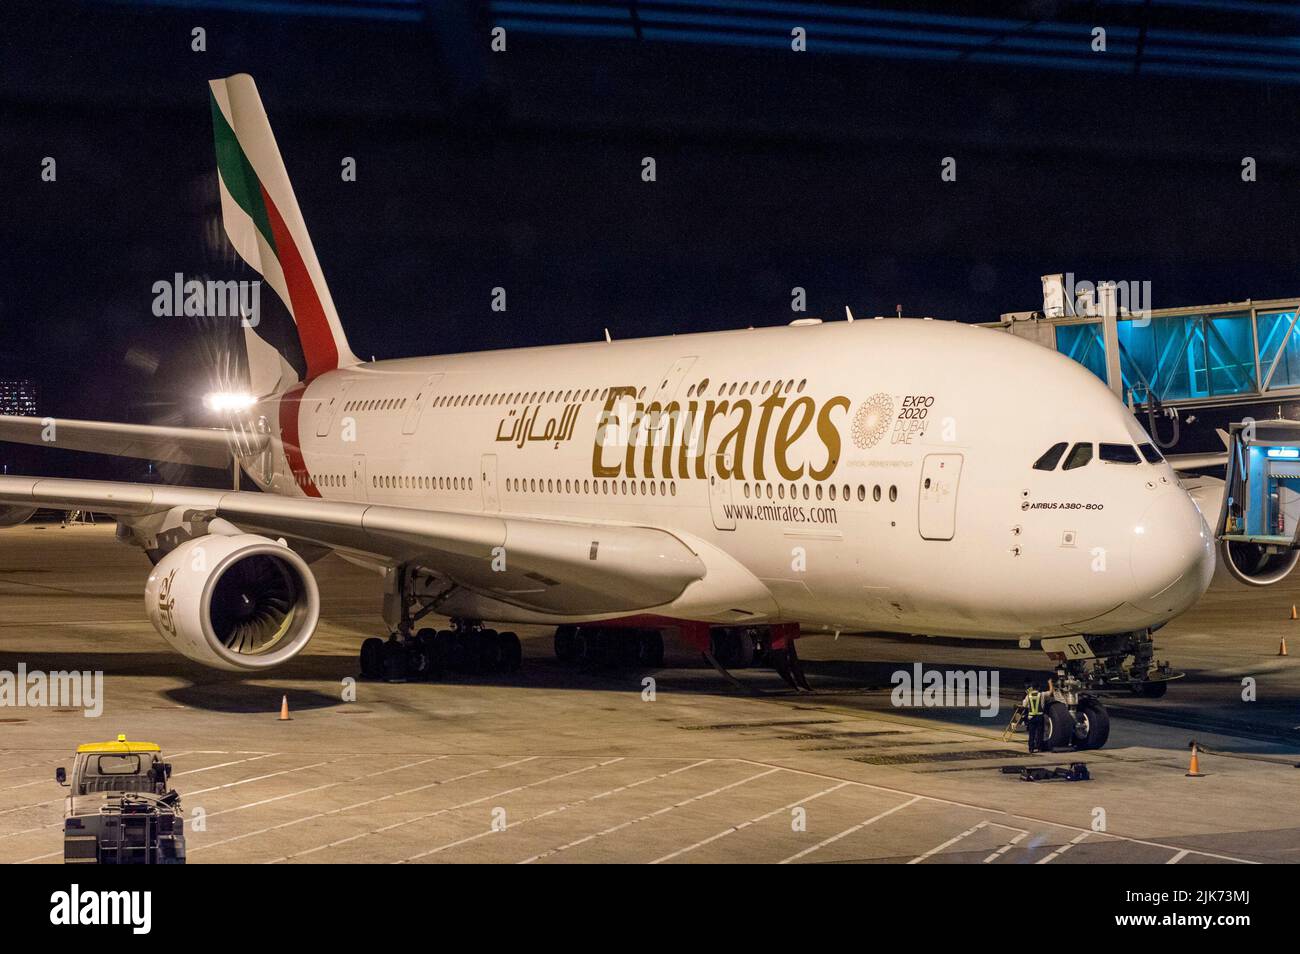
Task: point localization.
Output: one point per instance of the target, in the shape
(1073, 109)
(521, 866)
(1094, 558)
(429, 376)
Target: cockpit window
(1050, 459)
(1080, 454)
(1152, 455)
(1118, 454)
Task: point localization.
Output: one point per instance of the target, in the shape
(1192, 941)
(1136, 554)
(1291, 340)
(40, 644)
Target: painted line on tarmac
(654, 814)
(555, 811)
(208, 768)
(1063, 849)
(1006, 814)
(747, 824)
(949, 843)
(849, 831)
(451, 808)
(263, 778)
(369, 801)
(214, 788)
(1009, 845)
(55, 801)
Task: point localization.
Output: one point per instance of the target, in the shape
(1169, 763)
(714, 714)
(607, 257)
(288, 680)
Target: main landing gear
(610, 647)
(430, 654)
(723, 647)
(1122, 662)
(408, 654)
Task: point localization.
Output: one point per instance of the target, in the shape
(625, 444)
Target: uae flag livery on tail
(265, 225)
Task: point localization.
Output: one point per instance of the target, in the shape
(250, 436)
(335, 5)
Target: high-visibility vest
(1035, 702)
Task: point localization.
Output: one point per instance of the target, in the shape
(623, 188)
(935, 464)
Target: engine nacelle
(239, 602)
(1250, 563)
(11, 516)
(1254, 564)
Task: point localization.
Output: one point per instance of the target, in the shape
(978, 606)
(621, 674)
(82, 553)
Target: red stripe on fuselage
(290, 408)
(314, 330)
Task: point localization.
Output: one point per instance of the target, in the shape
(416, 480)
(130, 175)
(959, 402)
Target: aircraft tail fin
(266, 227)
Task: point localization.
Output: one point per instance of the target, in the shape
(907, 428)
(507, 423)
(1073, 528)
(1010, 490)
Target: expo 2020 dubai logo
(872, 420)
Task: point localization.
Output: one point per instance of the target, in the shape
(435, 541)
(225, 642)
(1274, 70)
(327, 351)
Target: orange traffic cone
(1281, 650)
(1194, 770)
(284, 708)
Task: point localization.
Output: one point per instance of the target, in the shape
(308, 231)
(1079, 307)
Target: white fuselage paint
(1012, 551)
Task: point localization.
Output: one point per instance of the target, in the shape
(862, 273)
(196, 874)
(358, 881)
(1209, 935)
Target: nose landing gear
(1089, 664)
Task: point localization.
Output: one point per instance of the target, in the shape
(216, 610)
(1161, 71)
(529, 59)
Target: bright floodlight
(229, 401)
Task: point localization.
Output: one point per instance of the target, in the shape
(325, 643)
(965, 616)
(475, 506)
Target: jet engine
(239, 602)
(1256, 564)
(12, 516)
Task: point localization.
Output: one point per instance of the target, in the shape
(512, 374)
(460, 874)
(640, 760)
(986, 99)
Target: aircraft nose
(1172, 556)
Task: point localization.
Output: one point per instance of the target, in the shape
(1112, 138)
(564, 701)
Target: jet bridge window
(1118, 454)
(1080, 454)
(1152, 455)
(1051, 458)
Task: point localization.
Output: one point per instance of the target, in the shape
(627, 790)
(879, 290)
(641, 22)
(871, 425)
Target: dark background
(522, 169)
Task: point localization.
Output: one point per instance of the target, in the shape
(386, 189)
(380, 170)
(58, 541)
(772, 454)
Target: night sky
(522, 169)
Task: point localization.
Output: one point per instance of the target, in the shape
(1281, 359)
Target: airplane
(740, 487)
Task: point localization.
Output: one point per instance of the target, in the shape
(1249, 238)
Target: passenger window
(1080, 454)
(1118, 454)
(1152, 455)
(1051, 458)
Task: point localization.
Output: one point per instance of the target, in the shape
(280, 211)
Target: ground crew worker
(1033, 705)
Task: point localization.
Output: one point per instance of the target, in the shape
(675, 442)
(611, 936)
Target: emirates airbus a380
(741, 487)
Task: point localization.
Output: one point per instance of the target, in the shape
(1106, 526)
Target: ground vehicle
(120, 810)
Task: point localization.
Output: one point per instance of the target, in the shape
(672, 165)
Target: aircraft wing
(549, 566)
(199, 446)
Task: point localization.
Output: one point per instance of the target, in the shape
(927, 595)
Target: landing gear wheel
(1058, 726)
(1152, 690)
(425, 657)
(512, 654)
(372, 658)
(744, 649)
(595, 646)
(566, 643)
(444, 649)
(489, 650)
(464, 651)
(396, 664)
(725, 646)
(627, 648)
(1094, 725)
(651, 655)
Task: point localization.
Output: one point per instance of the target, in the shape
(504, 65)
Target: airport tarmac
(580, 766)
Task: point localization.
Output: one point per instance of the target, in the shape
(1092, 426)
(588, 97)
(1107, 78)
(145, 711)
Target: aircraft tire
(566, 643)
(652, 649)
(1058, 726)
(1094, 716)
(512, 654)
(372, 658)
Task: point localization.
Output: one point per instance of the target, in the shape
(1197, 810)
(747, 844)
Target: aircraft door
(940, 474)
(488, 480)
(359, 477)
(671, 381)
(720, 492)
(326, 409)
(422, 399)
